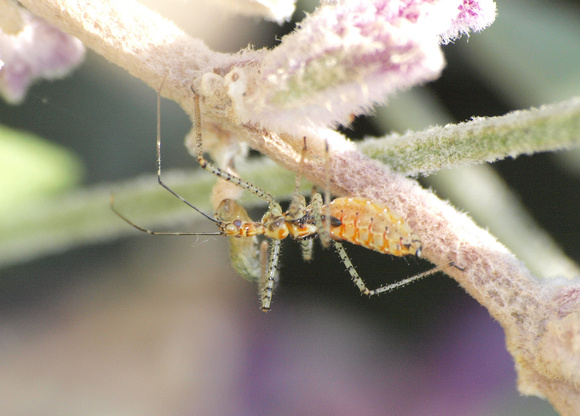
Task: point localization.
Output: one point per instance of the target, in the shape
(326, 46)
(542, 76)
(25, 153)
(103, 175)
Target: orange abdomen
(373, 225)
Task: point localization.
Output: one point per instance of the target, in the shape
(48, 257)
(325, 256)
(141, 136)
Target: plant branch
(550, 127)
(492, 203)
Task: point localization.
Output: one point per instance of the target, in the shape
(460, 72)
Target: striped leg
(306, 246)
(386, 288)
(220, 173)
(269, 279)
(323, 227)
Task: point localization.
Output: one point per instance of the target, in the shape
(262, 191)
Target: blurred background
(160, 325)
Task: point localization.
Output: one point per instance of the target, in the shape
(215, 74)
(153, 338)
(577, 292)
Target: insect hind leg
(405, 282)
(360, 284)
(350, 268)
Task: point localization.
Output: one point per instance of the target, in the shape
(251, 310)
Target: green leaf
(32, 169)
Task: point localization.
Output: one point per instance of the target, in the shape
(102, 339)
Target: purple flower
(39, 50)
(348, 55)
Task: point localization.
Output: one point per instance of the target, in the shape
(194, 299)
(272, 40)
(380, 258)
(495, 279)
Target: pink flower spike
(39, 50)
(472, 15)
(346, 56)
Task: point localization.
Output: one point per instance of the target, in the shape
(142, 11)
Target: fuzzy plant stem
(551, 127)
(541, 322)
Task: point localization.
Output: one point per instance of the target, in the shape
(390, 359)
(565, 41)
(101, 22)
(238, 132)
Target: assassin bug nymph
(356, 220)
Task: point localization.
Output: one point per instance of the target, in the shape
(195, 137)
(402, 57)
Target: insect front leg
(217, 171)
(269, 279)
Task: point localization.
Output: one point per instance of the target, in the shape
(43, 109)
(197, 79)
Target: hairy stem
(551, 127)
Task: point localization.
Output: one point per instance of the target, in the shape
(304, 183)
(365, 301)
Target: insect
(356, 220)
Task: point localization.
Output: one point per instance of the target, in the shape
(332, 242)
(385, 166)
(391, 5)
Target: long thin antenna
(160, 181)
(145, 230)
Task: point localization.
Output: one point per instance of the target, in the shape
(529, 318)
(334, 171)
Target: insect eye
(238, 223)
